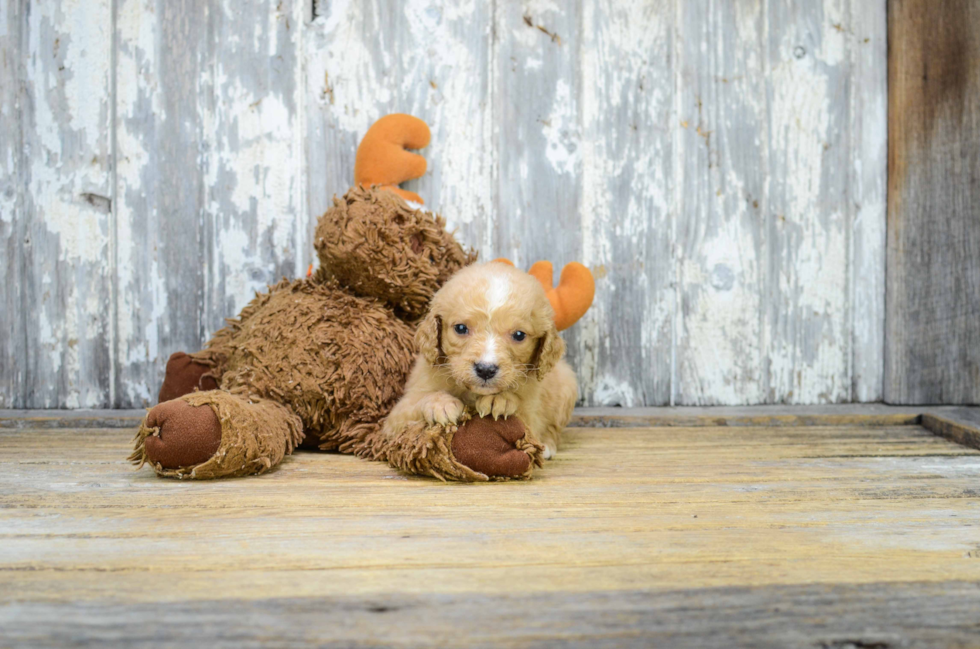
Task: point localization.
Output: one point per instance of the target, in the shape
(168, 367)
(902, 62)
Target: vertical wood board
(933, 284)
(624, 348)
(57, 206)
(162, 262)
(538, 93)
(867, 189)
(13, 315)
(427, 58)
(721, 204)
(210, 172)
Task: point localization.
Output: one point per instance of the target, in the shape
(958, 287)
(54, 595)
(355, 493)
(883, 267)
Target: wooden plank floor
(707, 536)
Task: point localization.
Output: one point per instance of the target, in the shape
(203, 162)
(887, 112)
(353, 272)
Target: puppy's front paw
(497, 405)
(549, 452)
(441, 408)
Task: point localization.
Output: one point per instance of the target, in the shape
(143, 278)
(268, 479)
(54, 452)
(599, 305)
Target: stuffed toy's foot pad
(493, 447)
(186, 435)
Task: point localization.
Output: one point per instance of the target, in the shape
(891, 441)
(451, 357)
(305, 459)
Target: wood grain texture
(933, 287)
(429, 58)
(720, 234)
(867, 45)
(719, 166)
(632, 528)
(56, 215)
(539, 91)
(808, 218)
(628, 153)
(844, 616)
(161, 238)
(13, 221)
(210, 172)
(685, 416)
(781, 188)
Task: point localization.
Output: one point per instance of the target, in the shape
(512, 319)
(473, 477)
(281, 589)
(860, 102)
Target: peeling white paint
(809, 356)
(142, 293)
(562, 132)
(682, 156)
(612, 391)
(73, 65)
(254, 180)
(66, 137)
(343, 59)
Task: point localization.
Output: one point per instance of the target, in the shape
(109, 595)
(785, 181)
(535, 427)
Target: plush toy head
(374, 243)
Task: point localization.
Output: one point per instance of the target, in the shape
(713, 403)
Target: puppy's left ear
(428, 338)
(549, 351)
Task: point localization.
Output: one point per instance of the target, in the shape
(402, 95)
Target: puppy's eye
(461, 329)
(518, 336)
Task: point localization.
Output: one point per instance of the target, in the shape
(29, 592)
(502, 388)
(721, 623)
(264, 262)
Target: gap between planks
(955, 423)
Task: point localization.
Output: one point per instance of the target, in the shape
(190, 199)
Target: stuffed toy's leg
(188, 373)
(215, 434)
(477, 449)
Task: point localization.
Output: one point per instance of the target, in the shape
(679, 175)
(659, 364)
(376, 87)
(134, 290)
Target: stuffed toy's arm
(382, 158)
(572, 297)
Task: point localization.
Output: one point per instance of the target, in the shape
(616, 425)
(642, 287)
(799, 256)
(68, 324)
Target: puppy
(489, 343)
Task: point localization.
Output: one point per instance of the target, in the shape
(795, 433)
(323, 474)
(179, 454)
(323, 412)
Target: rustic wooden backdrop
(719, 164)
(933, 286)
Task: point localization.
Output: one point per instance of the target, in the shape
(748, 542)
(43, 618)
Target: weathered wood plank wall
(55, 215)
(209, 187)
(933, 353)
(719, 165)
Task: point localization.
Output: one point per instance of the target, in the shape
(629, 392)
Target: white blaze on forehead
(498, 292)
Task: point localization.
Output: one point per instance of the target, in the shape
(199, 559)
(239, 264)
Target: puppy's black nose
(485, 371)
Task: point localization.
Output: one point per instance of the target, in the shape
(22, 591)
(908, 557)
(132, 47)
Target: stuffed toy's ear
(572, 297)
(382, 158)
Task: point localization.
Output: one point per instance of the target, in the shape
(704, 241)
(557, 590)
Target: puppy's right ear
(428, 338)
(549, 351)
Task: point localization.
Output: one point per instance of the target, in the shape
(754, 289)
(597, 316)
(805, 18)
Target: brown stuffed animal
(319, 362)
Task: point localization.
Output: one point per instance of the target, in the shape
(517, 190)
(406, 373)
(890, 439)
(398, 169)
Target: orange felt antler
(572, 297)
(382, 158)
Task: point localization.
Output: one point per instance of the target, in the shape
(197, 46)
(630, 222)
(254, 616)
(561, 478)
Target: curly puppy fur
(489, 343)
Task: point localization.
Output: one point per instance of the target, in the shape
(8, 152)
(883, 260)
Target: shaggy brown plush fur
(334, 359)
(378, 246)
(325, 357)
(255, 436)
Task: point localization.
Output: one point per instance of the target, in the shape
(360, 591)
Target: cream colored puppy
(489, 342)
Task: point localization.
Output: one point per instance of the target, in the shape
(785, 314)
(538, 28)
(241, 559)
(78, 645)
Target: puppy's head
(490, 328)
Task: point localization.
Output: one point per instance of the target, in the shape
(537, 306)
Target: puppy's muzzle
(485, 371)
